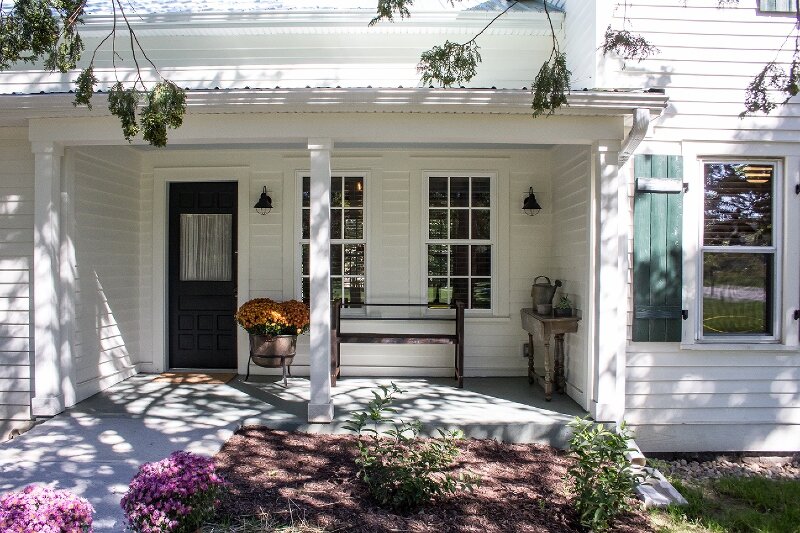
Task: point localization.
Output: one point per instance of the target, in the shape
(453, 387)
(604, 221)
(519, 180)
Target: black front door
(202, 275)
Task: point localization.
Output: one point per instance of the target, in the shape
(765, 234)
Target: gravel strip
(768, 467)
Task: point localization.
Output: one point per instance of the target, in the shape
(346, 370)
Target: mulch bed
(295, 476)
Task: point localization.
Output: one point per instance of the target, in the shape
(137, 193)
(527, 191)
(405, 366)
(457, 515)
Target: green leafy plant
(551, 85)
(601, 478)
(402, 470)
(564, 303)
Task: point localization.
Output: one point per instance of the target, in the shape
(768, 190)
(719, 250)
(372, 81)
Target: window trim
(493, 241)
(298, 224)
(776, 249)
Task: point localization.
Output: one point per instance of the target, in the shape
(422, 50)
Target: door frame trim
(162, 177)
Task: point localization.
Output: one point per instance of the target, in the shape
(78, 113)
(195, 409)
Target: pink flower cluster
(42, 509)
(176, 494)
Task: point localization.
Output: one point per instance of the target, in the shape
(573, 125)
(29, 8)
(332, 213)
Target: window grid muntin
(338, 279)
(486, 206)
(772, 281)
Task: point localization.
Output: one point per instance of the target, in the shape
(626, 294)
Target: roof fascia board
(313, 22)
(411, 100)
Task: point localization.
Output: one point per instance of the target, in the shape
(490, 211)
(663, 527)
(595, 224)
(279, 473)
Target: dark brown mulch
(314, 478)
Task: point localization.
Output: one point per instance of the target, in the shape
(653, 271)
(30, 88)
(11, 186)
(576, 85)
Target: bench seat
(456, 338)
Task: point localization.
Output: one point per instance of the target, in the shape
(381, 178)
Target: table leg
(559, 363)
(531, 371)
(548, 376)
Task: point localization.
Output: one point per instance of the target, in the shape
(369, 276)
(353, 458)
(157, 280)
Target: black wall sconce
(264, 204)
(530, 206)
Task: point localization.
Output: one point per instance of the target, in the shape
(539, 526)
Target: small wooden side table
(548, 327)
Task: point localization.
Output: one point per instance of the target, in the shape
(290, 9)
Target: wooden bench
(338, 337)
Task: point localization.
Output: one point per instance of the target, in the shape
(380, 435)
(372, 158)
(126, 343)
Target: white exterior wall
(304, 49)
(745, 397)
(107, 246)
(16, 258)
(395, 260)
(570, 260)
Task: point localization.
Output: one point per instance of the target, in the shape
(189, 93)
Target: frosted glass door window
(206, 247)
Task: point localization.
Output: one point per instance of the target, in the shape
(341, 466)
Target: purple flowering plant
(177, 494)
(42, 509)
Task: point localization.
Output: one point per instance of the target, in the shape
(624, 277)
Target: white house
(305, 99)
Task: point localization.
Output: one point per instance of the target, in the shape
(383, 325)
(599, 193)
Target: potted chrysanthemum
(273, 328)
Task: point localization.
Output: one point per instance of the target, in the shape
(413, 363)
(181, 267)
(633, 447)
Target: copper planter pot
(273, 352)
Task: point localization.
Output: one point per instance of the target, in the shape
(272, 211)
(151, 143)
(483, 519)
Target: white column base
(320, 413)
(47, 405)
(604, 412)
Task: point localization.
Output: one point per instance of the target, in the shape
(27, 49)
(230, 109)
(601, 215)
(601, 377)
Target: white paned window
(348, 239)
(739, 253)
(459, 240)
(777, 6)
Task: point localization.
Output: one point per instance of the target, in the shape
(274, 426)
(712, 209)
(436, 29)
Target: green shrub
(402, 470)
(601, 477)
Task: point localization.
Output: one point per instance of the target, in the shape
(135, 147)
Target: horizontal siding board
(658, 373)
(15, 412)
(712, 386)
(715, 399)
(734, 360)
(727, 415)
(14, 385)
(12, 371)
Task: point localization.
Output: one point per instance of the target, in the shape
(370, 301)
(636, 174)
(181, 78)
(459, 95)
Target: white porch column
(320, 408)
(609, 313)
(48, 399)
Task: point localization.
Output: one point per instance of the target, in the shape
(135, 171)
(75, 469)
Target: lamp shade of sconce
(530, 206)
(264, 204)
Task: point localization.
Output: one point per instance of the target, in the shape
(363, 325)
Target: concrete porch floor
(506, 409)
(95, 447)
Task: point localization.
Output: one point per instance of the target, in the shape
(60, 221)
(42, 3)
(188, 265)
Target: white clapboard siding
(692, 399)
(16, 252)
(107, 248)
(707, 57)
(570, 257)
(383, 56)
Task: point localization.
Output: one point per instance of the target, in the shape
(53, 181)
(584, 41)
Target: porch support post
(609, 245)
(320, 408)
(48, 372)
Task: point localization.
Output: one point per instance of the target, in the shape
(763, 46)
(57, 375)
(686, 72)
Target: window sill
(739, 347)
(672, 347)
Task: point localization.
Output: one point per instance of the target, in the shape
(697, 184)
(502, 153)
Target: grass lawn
(734, 505)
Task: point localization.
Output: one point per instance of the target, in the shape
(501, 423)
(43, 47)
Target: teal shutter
(657, 248)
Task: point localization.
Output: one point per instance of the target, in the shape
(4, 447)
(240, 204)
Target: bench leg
(249, 360)
(460, 365)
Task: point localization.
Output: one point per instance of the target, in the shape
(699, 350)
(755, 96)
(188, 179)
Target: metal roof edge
(362, 100)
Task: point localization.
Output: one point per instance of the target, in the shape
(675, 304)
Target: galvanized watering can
(542, 293)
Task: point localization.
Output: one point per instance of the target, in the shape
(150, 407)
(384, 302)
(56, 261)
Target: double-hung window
(740, 256)
(459, 240)
(348, 239)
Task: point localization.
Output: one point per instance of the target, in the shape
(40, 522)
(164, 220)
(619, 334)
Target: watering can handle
(545, 277)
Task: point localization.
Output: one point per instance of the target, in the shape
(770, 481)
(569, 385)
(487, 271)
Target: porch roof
(17, 109)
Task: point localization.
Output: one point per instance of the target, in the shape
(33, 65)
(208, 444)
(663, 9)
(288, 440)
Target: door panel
(202, 275)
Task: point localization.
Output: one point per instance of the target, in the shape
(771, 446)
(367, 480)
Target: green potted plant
(273, 328)
(563, 308)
